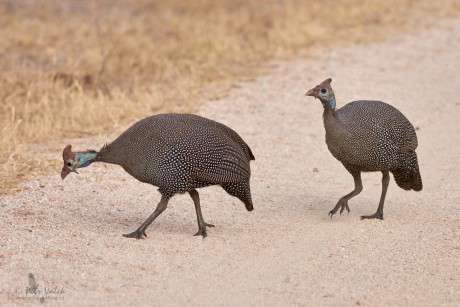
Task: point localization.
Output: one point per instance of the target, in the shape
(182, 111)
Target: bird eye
(323, 90)
(69, 164)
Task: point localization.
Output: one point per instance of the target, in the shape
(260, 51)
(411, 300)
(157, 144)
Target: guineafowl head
(70, 161)
(74, 160)
(324, 93)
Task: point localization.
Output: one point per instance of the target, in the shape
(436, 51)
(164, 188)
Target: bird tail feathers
(242, 191)
(408, 176)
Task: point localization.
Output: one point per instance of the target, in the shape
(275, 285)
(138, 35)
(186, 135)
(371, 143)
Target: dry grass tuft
(79, 68)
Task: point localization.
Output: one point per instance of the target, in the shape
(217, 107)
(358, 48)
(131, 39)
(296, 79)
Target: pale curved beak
(311, 92)
(65, 171)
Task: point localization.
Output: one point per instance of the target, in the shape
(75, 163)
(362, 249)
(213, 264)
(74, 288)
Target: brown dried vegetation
(78, 68)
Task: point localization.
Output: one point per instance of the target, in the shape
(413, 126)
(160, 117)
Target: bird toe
(136, 234)
(376, 215)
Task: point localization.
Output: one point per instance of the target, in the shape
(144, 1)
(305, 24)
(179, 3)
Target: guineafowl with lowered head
(369, 136)
(177, 153)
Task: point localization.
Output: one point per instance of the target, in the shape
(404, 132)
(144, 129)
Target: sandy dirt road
(287, 251)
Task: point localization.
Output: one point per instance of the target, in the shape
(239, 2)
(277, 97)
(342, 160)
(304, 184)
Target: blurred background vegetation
(76, 68)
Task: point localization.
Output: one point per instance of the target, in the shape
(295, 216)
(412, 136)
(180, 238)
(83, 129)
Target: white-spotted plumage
(369, 136)
(179, 153)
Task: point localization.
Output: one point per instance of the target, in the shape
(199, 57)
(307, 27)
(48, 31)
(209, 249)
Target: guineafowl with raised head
(177, 153)
(369, 136)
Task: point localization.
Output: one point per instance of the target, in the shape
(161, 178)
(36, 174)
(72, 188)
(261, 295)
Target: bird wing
(228, 167)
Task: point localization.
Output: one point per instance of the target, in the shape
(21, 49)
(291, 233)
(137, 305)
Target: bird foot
(202, 230)
(138, 234)
(342, 205)
(376, 215)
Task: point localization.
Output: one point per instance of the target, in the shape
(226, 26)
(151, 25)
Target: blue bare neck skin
(332, 103)
(329, 106)
(84, 159)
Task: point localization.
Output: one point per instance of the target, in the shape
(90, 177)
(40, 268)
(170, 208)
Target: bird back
(180, 150)
(369, 134)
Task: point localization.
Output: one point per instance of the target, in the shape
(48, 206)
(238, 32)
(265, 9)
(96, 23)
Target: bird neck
(331, 103)
(85, 158)
(329, 108)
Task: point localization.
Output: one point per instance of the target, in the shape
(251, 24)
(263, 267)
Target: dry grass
(79, 68)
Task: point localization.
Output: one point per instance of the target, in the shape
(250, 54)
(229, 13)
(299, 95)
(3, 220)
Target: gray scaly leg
(140, 232)
(201, 223)
(379, 213)
(343, 202)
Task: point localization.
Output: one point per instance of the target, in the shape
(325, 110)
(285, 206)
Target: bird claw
(138, 234)
(202, 230)
(376, 215)
(342, 205)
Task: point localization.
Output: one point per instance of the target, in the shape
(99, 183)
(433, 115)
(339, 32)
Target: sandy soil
(287, 251)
